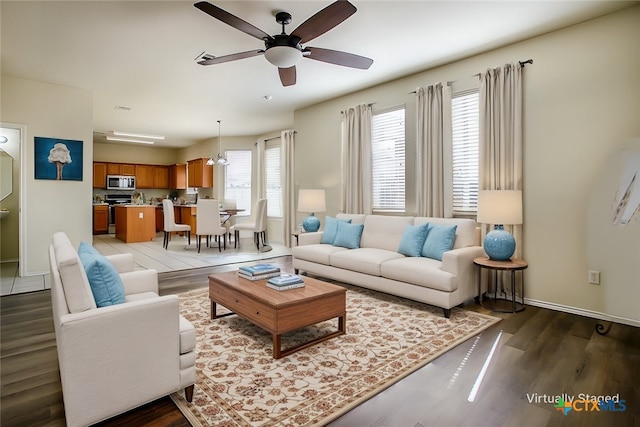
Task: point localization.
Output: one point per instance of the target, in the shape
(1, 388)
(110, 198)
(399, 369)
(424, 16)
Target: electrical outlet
(594, 277)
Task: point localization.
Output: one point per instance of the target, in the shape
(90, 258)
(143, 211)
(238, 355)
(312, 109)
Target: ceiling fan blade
(324, 20)
(232, 57)
(232, 20)
(287, 76)
(339, 58)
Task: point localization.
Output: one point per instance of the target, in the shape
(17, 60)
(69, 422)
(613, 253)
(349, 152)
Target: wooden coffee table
(279, 312)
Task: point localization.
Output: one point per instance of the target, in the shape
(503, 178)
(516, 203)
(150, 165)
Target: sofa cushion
(384, 232)
(331, 229)
(413, 239)
(75, 284)
(440, 239)
(318, 253)
(106, 284)
(467, 233)
(420, 271)
(363, 260)
(348, 235)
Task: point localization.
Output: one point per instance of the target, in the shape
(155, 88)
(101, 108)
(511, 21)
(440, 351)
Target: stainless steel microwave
(121, 182)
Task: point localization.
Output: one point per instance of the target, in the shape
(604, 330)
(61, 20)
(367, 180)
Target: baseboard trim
(582, 312)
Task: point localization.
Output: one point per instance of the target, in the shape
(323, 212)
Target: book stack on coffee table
(258, 271)
(285, 281)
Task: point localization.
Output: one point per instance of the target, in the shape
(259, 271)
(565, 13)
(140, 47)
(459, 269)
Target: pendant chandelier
(218, 158)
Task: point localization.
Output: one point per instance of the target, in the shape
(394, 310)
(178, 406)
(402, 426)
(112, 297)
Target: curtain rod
(522, 64)
(278, 137)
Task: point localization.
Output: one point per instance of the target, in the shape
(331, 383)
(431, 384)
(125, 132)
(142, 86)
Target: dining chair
(170, 225)
(258, 226)
(208, 222)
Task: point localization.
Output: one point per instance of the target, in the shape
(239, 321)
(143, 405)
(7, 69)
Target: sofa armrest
(456, 261)
(122, 262)
(310, 238)
(117, 357)
(460, 263)
(137, 282)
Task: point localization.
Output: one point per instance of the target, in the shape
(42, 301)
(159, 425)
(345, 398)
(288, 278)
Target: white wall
(48, 206)
(581, 107)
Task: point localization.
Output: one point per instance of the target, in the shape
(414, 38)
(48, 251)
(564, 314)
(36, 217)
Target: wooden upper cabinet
(161, 177)
(144, 176)
(121, 169)
(99, 175)
(178, 177)
(199, 173)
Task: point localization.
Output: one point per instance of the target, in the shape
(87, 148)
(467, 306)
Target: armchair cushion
(105, 282)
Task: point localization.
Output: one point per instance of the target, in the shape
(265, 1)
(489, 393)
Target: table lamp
(311, 201)
(499, 207)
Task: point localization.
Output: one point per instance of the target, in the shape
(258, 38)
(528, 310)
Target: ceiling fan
(286, 50)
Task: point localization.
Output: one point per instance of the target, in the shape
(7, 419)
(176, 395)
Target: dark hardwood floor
(540, 353)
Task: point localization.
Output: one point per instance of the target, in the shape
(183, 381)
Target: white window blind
(388, 159)
(237, 179)
(465, 134)
(273, 180)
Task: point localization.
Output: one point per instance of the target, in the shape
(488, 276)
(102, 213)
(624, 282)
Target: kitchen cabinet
(161, 177)
(99, 175)
(144, 176)
(199, 173)
(178, 177)
(188, 216)
(100, 219)
(159, 219)
(135, 223)
(121, 169)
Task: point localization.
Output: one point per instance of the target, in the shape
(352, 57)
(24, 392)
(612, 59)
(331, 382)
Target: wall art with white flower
(58, 159)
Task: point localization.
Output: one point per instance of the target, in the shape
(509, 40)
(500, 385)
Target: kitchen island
(135, 223)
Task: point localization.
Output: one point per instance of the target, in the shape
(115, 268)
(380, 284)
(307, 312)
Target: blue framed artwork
(58, 159)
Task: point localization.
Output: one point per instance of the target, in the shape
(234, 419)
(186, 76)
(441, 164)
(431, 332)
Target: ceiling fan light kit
(283, 56)
(285, 50)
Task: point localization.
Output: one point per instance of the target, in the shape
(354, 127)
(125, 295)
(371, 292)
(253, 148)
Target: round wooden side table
(498, 304)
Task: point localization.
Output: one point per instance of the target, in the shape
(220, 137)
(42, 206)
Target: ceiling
(138, 58)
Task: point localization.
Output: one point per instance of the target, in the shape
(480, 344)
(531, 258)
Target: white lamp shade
(500, 207)
(283, 56)
(311, 201)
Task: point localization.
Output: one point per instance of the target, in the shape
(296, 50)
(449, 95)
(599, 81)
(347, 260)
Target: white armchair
(115, 358)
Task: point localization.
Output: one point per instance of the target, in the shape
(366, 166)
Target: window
(465, 134)
(237, 179)
(273, 180)
(388, 159)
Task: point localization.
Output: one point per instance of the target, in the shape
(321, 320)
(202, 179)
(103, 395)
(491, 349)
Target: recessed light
(267, 97)
(3, 139)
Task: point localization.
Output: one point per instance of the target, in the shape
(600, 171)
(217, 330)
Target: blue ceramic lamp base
(499, 244)
(311, 223)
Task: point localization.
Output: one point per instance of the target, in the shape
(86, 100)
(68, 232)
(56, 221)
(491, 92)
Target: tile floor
(147, 255)
(11, 283)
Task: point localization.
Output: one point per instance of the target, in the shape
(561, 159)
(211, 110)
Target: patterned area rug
(240, 384)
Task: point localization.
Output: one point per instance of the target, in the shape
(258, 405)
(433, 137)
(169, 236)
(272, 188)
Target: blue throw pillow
(413, 239)
(440, 239)
(348, 235)
(331, 229)
(106, 284)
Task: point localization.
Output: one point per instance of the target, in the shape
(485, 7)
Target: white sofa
(115, 358)
(377, 265)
